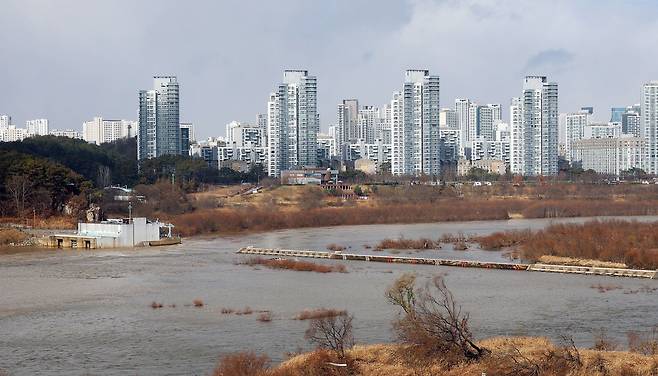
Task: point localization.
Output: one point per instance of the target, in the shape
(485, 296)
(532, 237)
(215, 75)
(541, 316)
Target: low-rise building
(492, 166)
(315, 176)
(611, 155)
(113, 233)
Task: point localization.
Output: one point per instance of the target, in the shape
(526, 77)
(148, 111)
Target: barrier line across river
(572, 269)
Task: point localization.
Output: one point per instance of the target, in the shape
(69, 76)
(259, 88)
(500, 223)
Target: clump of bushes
(319, 313)
(404, 243)
(264, 317)
(300, 266)
(627, 242)
(499, 240)
(12, 236)
(335, 247)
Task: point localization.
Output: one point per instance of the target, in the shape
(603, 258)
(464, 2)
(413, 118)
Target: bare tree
(19, 187)
(333, 333)
(432, 321)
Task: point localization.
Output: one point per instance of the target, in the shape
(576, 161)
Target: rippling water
(88, 313)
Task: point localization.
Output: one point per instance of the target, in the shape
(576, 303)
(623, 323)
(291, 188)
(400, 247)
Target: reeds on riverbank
(296, 265)
(405, 243)
(319, 313)
(253, 218)
(617, 243)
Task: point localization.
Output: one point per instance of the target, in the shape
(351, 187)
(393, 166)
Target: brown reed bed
(254, 218)
(630, 243)
(296, 265)
(404, 243)
(319, 313)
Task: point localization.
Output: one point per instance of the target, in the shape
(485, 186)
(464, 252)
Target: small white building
(113, 233)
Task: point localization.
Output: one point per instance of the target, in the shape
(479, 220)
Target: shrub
(12, 236)
(242, 364)
(404, 243)
(264, 317)
(309, 314)
(300, 266)
(198, 303)
(156, 305)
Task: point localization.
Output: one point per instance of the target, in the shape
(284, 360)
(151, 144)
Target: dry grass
(613, 243)
(319, 313)
(499, 240)
(300, 266)
(401, 206)
(9, 236)
(557, 260)
(387, 360)
(404, 243)
(198, 303)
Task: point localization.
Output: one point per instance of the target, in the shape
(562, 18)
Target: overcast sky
(69, 60)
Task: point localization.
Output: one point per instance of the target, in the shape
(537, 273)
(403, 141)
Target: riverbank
(235, 220)
(509, 356)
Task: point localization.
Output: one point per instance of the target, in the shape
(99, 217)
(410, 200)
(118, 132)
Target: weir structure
(571, 269)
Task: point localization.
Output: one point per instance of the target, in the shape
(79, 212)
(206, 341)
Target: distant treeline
(45, 173)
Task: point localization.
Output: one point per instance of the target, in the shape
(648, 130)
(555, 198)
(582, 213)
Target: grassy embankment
(222, 212)
(538, 356)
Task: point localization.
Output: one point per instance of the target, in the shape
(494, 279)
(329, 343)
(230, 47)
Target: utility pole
(130, 220)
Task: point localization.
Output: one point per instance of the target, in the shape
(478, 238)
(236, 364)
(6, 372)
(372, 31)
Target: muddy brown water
(88, 312)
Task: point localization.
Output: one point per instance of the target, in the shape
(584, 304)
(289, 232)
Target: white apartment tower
(347, 126)
(415, 125)
(293, 123)
(575, 130)
(534, 143)
(98, 130)
(462, 110)
(649, 115)
(159, 120)
(37, 127)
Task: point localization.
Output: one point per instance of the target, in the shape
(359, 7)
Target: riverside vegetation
(607, 243)
(434, 337)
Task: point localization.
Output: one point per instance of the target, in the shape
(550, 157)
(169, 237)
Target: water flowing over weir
(572, 269)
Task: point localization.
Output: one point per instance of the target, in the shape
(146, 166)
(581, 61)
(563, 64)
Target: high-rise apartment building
(187, 137)
(293, 123)
(244, 135)
(448, 118)
(159, 119)
(348, 129)
(534, 148)
(415, 125)
(462, 110)
(5, 121)
(98, 130)
(37, 127)
(649, 114)
(575, 130)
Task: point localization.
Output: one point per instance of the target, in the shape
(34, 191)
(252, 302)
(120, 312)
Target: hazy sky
(68, 60)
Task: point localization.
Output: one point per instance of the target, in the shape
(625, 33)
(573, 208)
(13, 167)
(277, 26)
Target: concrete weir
(587, 270)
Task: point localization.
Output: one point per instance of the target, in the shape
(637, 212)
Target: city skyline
(484, 72)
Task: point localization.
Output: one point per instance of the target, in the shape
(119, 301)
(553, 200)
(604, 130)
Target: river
(88, 313)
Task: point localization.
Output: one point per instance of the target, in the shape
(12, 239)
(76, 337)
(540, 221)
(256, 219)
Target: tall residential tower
(293, 123)
(415, 125)
(159, 122)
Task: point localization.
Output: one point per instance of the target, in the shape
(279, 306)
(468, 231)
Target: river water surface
(88, 313)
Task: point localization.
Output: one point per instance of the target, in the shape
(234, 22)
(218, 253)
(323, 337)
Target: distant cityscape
(410, 135)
